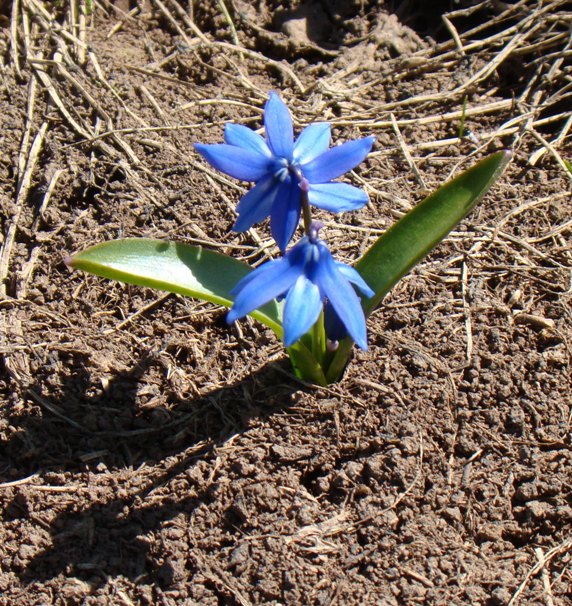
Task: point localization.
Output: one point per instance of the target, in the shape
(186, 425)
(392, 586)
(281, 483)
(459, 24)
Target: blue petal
(242, 136)
(351, 274)
(336, 197)
(256, 204)
(261, 286)
(302, 309)
(285, 213)
(278, 126)
(313, 141)
(269, 266)
(342, 297)
(337, 160)
(235, 161)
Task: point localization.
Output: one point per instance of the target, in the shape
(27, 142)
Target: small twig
(23, 188)
(564, 547)
(416, 576)
(487, 42)
(534, 320)
(454, 33)
(567, 225)
(260, 57)
(14, 38)
(188, 21)
(55, 410)
(489, 108)
(105, 82)
(132, 317)
(48, 23)
(26, 273)
(47, 196)
(550, 147)
(487, 136)
(53, 93)
(167, 14)
(100, 112)
(467, 312)
(147, 95)
(128, 16)
(82, 31)
(534, 251)
(493, 65)
(233, 33)
(25, 145)
(407, 154)
(20, 482)
(234, 102)
(74, 21)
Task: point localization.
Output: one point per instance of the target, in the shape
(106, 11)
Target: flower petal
(269, 266)
(244, 137)
(352, 275)
(312, 141)
(337, 160)
(261, 286)
(302, 309)
(235, 161)
(342, 297)
(285, 212)
(278, 126)
(256, 204)
(336, 197)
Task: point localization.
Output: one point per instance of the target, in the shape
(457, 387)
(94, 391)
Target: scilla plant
(318, 306)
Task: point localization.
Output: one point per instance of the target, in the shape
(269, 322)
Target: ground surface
(151, 454)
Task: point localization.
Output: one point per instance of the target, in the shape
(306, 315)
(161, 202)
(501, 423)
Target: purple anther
(304, 185)
(315, 228)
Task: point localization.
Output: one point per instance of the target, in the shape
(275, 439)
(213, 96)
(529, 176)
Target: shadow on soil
(108, 537)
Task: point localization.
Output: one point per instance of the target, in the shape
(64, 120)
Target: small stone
(500, 596)
(538, 510)
(239, 554)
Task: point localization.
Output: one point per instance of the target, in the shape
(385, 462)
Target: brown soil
(153, 455)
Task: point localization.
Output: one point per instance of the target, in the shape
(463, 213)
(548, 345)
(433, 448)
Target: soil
(150, 453)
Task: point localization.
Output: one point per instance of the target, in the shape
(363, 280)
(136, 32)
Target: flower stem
(306, 212)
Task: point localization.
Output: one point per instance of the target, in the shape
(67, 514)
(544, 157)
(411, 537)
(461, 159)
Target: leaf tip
(507, 156)
(68, 260)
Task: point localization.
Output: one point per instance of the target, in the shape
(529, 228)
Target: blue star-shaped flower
(307, 275)
(281, 167)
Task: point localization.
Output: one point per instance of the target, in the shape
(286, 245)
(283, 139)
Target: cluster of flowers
(290, 176)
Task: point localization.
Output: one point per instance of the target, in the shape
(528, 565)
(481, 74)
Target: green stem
(319, 340)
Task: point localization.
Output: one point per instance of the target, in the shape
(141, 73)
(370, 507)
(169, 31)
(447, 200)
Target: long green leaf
(173, 267)
(403, 245)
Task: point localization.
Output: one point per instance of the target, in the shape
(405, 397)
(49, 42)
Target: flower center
(285, 168)
(282, 172)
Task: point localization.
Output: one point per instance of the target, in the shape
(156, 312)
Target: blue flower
(307, 276)
(282, 168)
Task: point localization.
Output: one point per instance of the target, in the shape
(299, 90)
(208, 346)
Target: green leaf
(403, 245)
(173, 267)
(305, 364)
